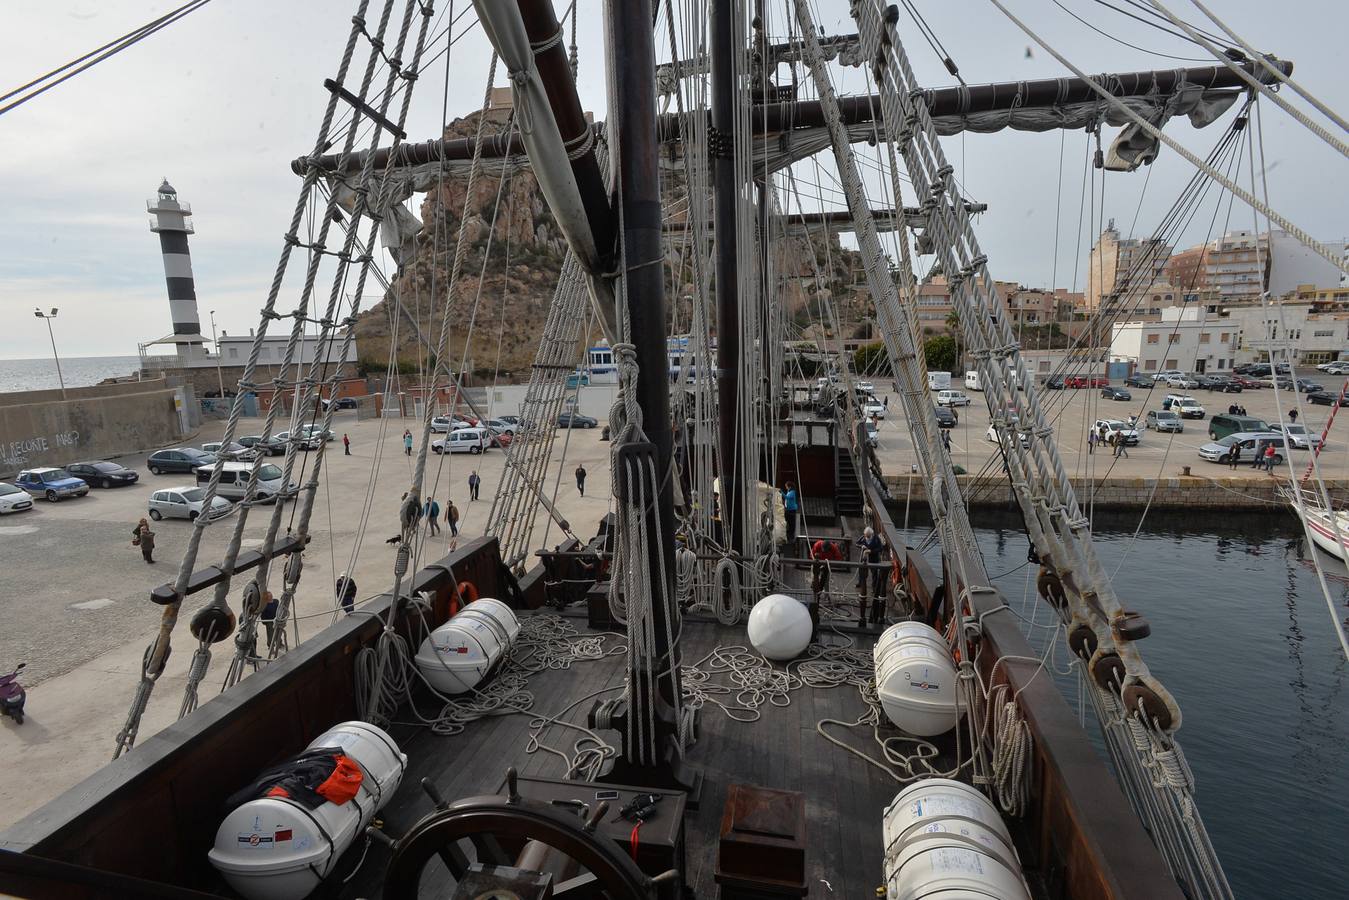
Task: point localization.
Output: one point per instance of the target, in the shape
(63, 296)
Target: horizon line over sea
(77, 371)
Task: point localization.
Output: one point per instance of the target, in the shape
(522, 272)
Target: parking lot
(74, 591)
(1073, 411)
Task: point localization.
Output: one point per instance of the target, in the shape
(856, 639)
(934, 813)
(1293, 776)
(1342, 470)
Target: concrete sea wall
(38, 428)
(1248, 492)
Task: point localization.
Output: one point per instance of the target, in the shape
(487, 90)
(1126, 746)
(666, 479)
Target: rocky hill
(524, 254)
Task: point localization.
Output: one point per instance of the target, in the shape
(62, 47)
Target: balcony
(154, 206)
(185, 228)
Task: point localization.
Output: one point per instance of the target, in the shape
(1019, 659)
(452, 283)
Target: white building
(233, 351)
(1183, 337)
(1307, 337)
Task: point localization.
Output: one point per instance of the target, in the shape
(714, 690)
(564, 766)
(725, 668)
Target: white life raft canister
(272, 848)
(944, 839)
(459, 655)
(916, 679)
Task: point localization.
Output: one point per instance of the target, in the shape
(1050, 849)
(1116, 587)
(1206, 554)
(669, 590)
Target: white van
(952, 398)
(938, 381)
(463, 440)
(234, 480)
(973, 382)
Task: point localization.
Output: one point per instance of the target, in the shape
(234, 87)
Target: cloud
(222, 101)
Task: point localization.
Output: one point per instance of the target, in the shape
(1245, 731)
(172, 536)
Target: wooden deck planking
(782, 750)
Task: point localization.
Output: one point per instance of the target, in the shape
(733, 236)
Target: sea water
(1242, 636)
(78, 371)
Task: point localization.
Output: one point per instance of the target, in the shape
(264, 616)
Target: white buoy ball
(779, 627)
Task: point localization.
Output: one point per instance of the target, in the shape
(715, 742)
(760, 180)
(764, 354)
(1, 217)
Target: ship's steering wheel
(475, 828)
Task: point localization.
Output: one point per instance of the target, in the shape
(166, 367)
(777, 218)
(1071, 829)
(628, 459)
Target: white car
(1115, 426)
(13, 499)
(865, 387)
(873, 407)
(1184, 382)
(1187, 407)
(186, 503)
(463, 440)
(1165, 374)
(497, 426)
(235, 450)
(1298, 436)
(305, 440)
(992, 436)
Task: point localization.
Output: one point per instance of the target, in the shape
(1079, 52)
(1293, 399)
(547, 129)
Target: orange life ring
(464, 594)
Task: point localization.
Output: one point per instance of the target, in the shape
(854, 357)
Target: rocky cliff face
(511, 268)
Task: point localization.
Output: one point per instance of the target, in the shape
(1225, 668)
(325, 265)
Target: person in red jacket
(823, 553)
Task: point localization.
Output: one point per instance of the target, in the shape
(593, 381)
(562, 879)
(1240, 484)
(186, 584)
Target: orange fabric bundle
(343, 784)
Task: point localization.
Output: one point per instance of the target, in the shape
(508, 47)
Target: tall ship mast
(745, 682)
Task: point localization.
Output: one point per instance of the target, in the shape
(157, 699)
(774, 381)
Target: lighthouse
(172, 221)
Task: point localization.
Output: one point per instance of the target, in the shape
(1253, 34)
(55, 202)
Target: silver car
(186, 503)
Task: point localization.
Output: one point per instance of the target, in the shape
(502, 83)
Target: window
(1150, 365)
(1222, 364)
(1225, 337)
(1152, 338)
(234, 353)
(1325, 332)
(1203, 337)
(1173, 338)
(1170, 363)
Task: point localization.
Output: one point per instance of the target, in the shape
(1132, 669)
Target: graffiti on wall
(15, 454)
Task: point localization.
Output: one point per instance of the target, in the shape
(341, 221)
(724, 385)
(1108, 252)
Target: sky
(220, 102)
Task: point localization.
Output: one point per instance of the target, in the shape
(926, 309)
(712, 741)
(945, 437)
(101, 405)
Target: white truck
(938, 381)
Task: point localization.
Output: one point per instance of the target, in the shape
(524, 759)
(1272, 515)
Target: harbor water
(1242, 636)
(78, 371)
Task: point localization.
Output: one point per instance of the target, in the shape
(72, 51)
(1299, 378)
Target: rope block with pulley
(1107, 670)
(149, 655)
(1130, 626)
(1049, 587)
(1082, 641)
(212, 623)
(1139, 697)
(632, 458)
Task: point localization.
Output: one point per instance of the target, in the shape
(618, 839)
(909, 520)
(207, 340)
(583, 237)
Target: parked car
(952, 398)
(317, 433)
(1115, 426)
(1187, 407)
(499, 425)
(100, 473)
(182, 459)
(303, 440)
(1086, 381)
(946, 418)
(234, 478)
(1114, 393)
(1223, 424)
(873, 434)
(992, 434)
(235, 450)
(1307, 386)
(464, 440)
(1298, 436)
(16, 499)
(1165, 374)
(342, 403)
(1248, 383)
(1161, 420)
(1252, 447)
(873, 408)
(1182, 382)
(1054, 383)
(1139, 381)
(1224, 384)
(575, 420)
(446, 424)
(513, 420)
(186, 503)
(273, 445)
(1323, 398)
(51, 483)
(865, 387)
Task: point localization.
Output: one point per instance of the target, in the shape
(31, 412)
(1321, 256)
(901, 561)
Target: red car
(1086, 381)
(1247, 383)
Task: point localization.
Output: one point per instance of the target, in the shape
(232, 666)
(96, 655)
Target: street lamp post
(220, 377)
(47, 317)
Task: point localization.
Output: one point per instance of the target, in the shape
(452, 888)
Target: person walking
(581, 478)
(473, 483)
(1121, 446)
(432, 512)
(946, 439)
(268, 617)
(1234, 457)
(452, 517)
(407, 442)
(1091, 441)
(346, 445)
(1258, 458)
(346, 594)
(1269, 459)
(144, 538)
(791, 507)
(1292, 416)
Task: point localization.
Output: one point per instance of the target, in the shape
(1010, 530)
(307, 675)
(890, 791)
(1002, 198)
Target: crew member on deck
(873, 552)
(823, 553)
